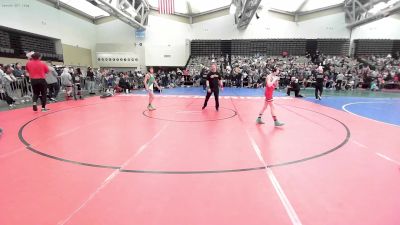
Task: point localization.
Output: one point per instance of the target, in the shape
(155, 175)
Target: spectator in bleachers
(37, 73)
(237, 76)
(374, 86)
(179, 72)
(52, 83)
(186, 74)
(300, 67)
(203, 74)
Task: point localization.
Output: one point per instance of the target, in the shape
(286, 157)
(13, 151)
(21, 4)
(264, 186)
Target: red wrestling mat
(109, 161)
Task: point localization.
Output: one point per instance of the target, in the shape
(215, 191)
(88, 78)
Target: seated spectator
(350, 85)
(374, 86)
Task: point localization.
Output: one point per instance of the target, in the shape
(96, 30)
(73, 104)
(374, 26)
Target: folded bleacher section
(378, 47)
(15, 44)
(269, 46)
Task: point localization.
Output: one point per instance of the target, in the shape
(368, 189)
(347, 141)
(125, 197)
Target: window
(86, 7)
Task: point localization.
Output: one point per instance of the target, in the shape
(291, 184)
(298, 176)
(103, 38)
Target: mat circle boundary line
(30, 148)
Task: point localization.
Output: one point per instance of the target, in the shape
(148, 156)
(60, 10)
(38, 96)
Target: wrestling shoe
(151, 107)
(260, 121)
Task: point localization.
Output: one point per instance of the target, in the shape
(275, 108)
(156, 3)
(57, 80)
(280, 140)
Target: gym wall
(77, 56)
(38, 17)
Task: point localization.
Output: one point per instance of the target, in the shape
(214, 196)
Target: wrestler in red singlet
(269, 92)
(271, 82)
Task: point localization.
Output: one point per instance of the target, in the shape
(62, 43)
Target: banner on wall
(140, 34)
(117, 59)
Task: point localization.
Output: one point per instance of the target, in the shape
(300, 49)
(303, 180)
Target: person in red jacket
(37, 73)
(271, 83)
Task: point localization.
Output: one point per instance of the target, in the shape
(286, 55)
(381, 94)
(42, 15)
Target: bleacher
(45, 46)
(334, 46)
(338, 47)
(5, 46)
(15, 44)
(366, 47)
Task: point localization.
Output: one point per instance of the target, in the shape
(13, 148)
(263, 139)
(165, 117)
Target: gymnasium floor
(109, 161)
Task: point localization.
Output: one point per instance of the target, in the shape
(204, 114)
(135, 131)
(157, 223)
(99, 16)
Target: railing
(20, 90)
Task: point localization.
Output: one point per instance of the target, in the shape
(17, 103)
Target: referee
(213, 83)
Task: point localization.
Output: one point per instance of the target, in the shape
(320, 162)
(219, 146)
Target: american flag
(166, 6)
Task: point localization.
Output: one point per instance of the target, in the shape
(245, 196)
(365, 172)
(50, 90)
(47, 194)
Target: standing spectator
(109, 79)
(339, 81)
(3, 90)
(37, 72)
(20, 73)
(186, 74)
(77, 79)
(9, 79)
(124, 83)
(319, 82)
(52, 82)
(66, 82)
(204, 74)
(91, 81)
(238, 76)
